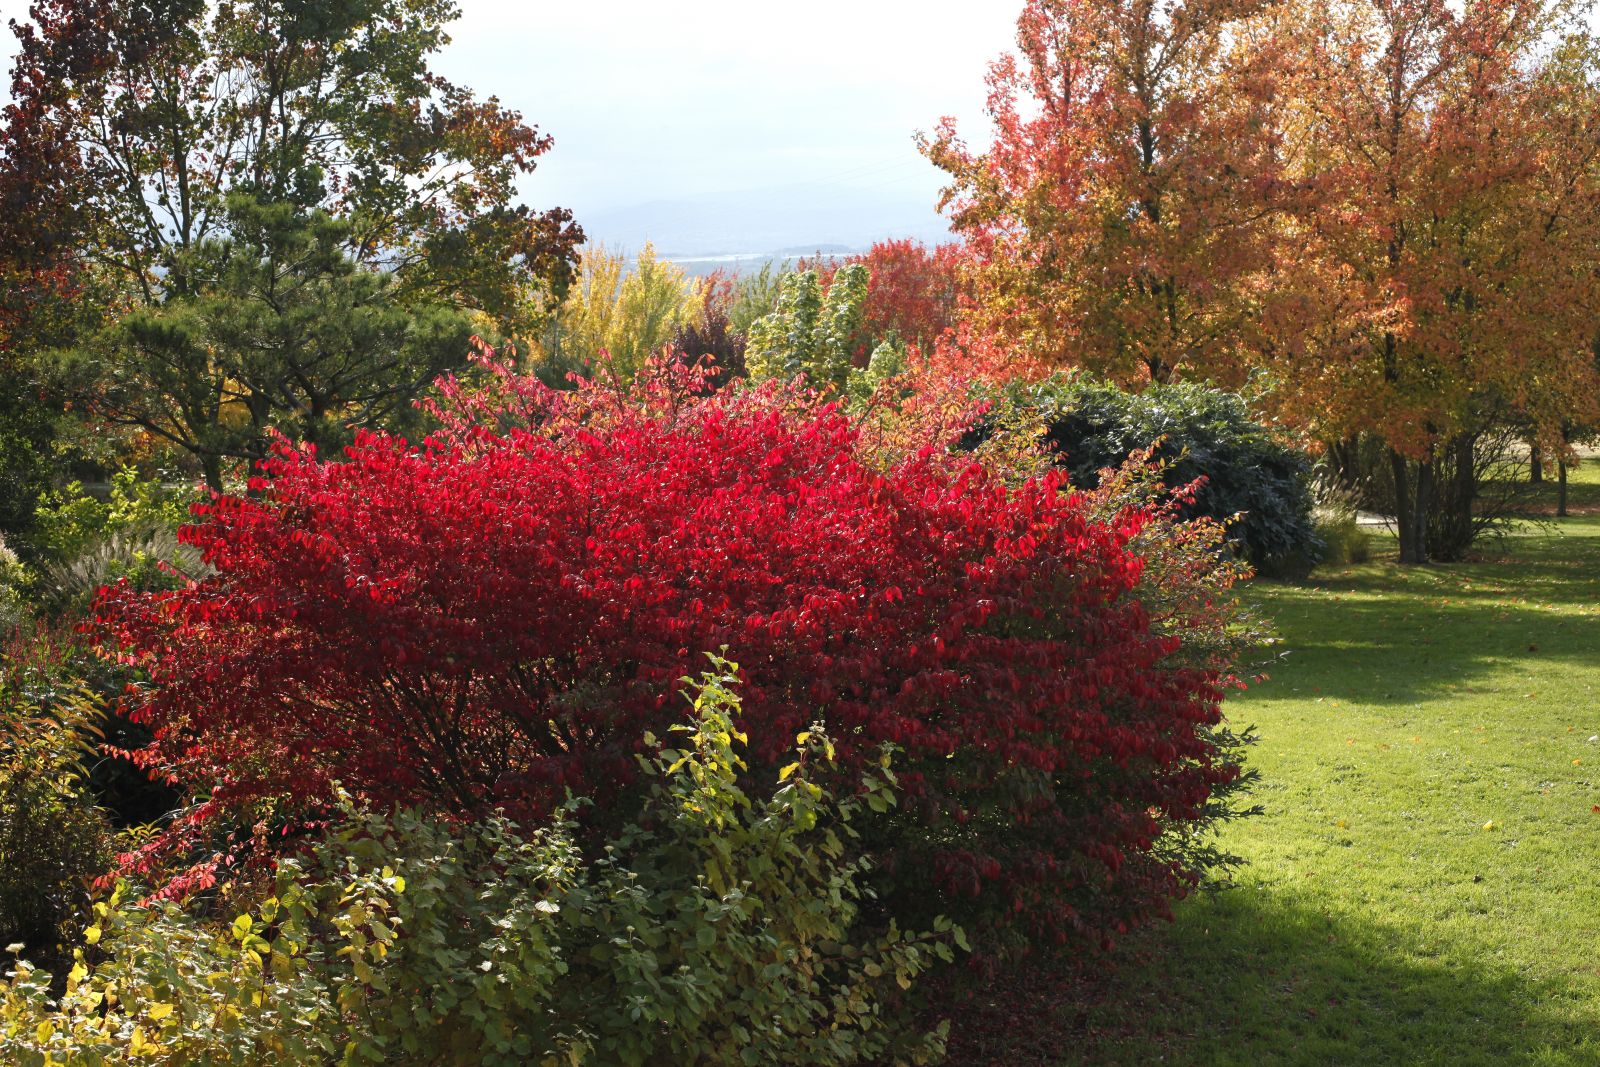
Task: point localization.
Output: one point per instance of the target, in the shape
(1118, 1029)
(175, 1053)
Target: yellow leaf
(92, 935)
(160, 1011)
(1489, 825)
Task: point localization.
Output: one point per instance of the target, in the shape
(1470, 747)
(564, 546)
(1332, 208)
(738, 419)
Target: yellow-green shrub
(717, 930)
(13, 583)
(616, 318)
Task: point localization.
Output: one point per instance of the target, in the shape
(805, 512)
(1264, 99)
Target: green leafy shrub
(71, 521)
(1200, 433)
(13, 584)
(53, 839)
(719, 930)
(92, 543)
(27, 432)
(155, 983)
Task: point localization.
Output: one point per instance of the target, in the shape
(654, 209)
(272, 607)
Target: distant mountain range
(751, 226)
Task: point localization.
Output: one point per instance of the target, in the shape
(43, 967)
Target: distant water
(749, 262)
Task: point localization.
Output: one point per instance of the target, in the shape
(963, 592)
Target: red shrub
(496, 619)
(914, 293)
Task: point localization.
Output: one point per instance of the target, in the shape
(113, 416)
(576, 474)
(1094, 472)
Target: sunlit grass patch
(1422, 888)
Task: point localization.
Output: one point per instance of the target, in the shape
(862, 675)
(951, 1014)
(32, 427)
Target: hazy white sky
(664, 99)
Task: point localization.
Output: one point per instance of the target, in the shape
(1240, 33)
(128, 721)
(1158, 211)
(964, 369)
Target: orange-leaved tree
(1120, 219)
(1442, 250)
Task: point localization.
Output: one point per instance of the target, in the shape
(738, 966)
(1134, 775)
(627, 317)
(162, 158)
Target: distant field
(1425, 885)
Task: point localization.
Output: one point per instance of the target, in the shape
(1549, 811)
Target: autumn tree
(619, 314)
(1443, 252)
(36, 283)
(1118, 219)
(154, 129)
(913, 291)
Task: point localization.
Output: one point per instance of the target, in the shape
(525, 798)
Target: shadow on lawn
(1405, 636)
(1298, 989)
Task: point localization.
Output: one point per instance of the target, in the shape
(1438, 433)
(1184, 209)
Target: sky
(646, 101)
(667, 101)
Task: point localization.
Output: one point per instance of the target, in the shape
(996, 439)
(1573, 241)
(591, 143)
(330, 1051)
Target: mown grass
(1424, 887)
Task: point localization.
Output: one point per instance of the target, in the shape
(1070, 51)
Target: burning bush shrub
(494, 618)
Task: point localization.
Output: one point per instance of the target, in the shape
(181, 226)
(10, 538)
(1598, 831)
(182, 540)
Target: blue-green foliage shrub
(718, 929)
(1202, 433)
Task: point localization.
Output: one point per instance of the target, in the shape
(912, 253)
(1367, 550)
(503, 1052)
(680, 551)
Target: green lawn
(1425, 885)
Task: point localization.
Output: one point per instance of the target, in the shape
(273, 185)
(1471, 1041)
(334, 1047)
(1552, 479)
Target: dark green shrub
(27, 428)
(53, 839)
(1201, 433)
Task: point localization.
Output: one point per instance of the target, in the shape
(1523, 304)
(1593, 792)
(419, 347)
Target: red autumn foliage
(914, 293)
(498, 615)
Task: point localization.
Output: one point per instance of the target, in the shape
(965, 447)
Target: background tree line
(1380, 215)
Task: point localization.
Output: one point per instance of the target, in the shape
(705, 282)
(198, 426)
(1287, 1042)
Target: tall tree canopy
(152, 134)
(1444, 250)
(1387, 211)
(1118, 217)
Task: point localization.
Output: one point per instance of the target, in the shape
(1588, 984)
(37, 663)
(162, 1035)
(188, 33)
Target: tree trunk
(1412, 548)
(211, 466)
(1454, 535)
(1422, 508)
(1344, 459)
(1466, 472)
(1561, 488)
(1535, 463)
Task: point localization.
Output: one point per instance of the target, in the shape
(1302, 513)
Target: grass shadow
(1299, 989)
(1381, 633)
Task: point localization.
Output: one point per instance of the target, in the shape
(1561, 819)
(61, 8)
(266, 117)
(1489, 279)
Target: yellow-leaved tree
(619, 314)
